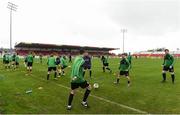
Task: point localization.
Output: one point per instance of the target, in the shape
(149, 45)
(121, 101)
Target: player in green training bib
(25, 61)
(124, 68)
(13, 60)
(41, 58)
(64, 64)
(77, 80)
(168, 65)
(30, 59)
(52, 66)
(58, 66)
(17, 61)
(6, 60)
(129, 57)
(10, 60)
(105, 64)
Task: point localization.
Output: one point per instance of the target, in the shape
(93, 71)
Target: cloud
(93, 22)
(145, 17)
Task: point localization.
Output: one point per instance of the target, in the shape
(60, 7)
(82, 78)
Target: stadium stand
(158, 54)
(46, 49)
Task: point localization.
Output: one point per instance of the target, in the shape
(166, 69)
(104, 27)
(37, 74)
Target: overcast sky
(149, 23)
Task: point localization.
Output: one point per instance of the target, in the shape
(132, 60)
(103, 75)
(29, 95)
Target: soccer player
(52, 66)
(30, 59)
(25, 61)
(13, 61)
(87, 64)
(6, 60)
(124, 68)
(40, 58)
(10, 60)
(78, 81)
(168, 65)
(129, 57)
(17, 60)
(3, 59)
(70, 58)
(105, 64)
(58, 65)
(63, 63)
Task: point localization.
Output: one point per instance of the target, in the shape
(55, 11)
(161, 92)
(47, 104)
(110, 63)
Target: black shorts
(168, 69)
(57, 63)
(29, 64)
(17, 63)
(51, 68)
(63, 67)
(77, 85)
(6, 62)
(105, 64)
(87, 67)
(125, 73)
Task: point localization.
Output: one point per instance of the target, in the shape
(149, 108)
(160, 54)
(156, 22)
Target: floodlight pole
(11, 30)
(11, 7)
(123, 31)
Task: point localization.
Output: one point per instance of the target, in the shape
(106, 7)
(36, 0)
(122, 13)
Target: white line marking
(103, 99)
(109, 101)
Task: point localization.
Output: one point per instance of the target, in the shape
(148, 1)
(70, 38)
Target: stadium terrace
(46, 49)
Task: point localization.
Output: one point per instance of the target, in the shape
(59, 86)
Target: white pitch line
(106, 100)
(109, 101)
(103, 99)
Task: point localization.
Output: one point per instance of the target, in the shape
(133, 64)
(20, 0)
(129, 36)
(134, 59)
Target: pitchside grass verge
(146, 93)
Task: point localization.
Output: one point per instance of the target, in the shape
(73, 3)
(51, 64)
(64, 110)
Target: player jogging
(70, 58)
(25, 61)
(105, 64)
(87, 64)
(6, 60)
(58, 66)
(168, 65)
(13, 61)
(3, 59)
(17, 60)
(40, 58)
(63, 63)
(78, 81)
(30, 58)
(124, 68)
(51, 66)
(129, 57)
(10, 60)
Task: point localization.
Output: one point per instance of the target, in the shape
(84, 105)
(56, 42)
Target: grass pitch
(146, 93)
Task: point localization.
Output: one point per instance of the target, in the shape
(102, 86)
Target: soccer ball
(96, 85)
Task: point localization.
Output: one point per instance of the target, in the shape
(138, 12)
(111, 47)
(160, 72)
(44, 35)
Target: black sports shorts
(51, 68)
(29, 64)
(105, 64)
(126, 73)
(77, 85)
(168, 69)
